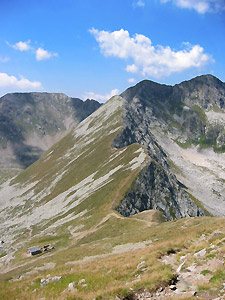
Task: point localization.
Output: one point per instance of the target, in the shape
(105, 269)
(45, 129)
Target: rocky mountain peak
(190, 115)
(207, 79)
(206, 91)
(148, 91)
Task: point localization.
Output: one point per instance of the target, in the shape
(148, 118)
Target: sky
(98, 48)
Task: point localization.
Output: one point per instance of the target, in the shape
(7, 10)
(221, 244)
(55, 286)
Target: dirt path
(30, 231)
(148, 223)
(82, 235)
(112, 214)
(106, 218)
(98, 226)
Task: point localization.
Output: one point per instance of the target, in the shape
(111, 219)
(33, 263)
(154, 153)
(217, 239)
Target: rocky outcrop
(179, 110)
(156, 187)
(184, 109)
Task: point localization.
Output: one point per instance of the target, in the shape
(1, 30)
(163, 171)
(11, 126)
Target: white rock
(191, 268)
(81, 281)
(141, 264)
(200, 253)
(56, 278)
(71, 286)
(183, 257)
(180, 266)
(144, 269)
(44, 281)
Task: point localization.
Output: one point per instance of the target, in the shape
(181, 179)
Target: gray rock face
(179, 110)
(155, 189)
(182, 109)
(30, 123)
(204, 90)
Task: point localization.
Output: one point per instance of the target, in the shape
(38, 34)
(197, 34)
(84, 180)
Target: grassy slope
(93, 155)
(107, 276)
(74, 204)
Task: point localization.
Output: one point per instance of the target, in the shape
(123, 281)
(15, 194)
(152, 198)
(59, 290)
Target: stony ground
(200, 170)
(192, 271)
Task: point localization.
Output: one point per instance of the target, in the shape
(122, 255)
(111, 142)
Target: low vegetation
(108, 260)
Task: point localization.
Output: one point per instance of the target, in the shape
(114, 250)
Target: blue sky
(96, 48)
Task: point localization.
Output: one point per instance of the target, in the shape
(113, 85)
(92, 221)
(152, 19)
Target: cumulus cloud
(21, 46)
(147, 59)
(201, 6)
(22, 83)
(100, 97)
(139, 3)
(131, 80)
(42, 54)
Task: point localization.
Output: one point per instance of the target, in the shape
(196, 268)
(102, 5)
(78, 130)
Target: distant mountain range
(30, 123)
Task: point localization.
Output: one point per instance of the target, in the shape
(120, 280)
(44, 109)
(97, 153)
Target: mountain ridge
(103, 192)
(178, 117)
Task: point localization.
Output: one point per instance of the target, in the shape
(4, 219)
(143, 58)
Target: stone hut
(34, 250)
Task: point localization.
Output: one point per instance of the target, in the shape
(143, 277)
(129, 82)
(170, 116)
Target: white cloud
(4, 59)
(22, 83)
(201, 6)
(132, 68)
(147, 59)
(100, 97)
(42, 54)
(131, 80)
(21, 46)
(139, 3)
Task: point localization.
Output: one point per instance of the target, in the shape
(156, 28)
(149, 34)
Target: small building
(34, 250)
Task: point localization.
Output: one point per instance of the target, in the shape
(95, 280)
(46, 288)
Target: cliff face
(157, 189)
(181, 114)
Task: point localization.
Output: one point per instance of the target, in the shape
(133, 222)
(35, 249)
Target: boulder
(200, 253)
(71, 286)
